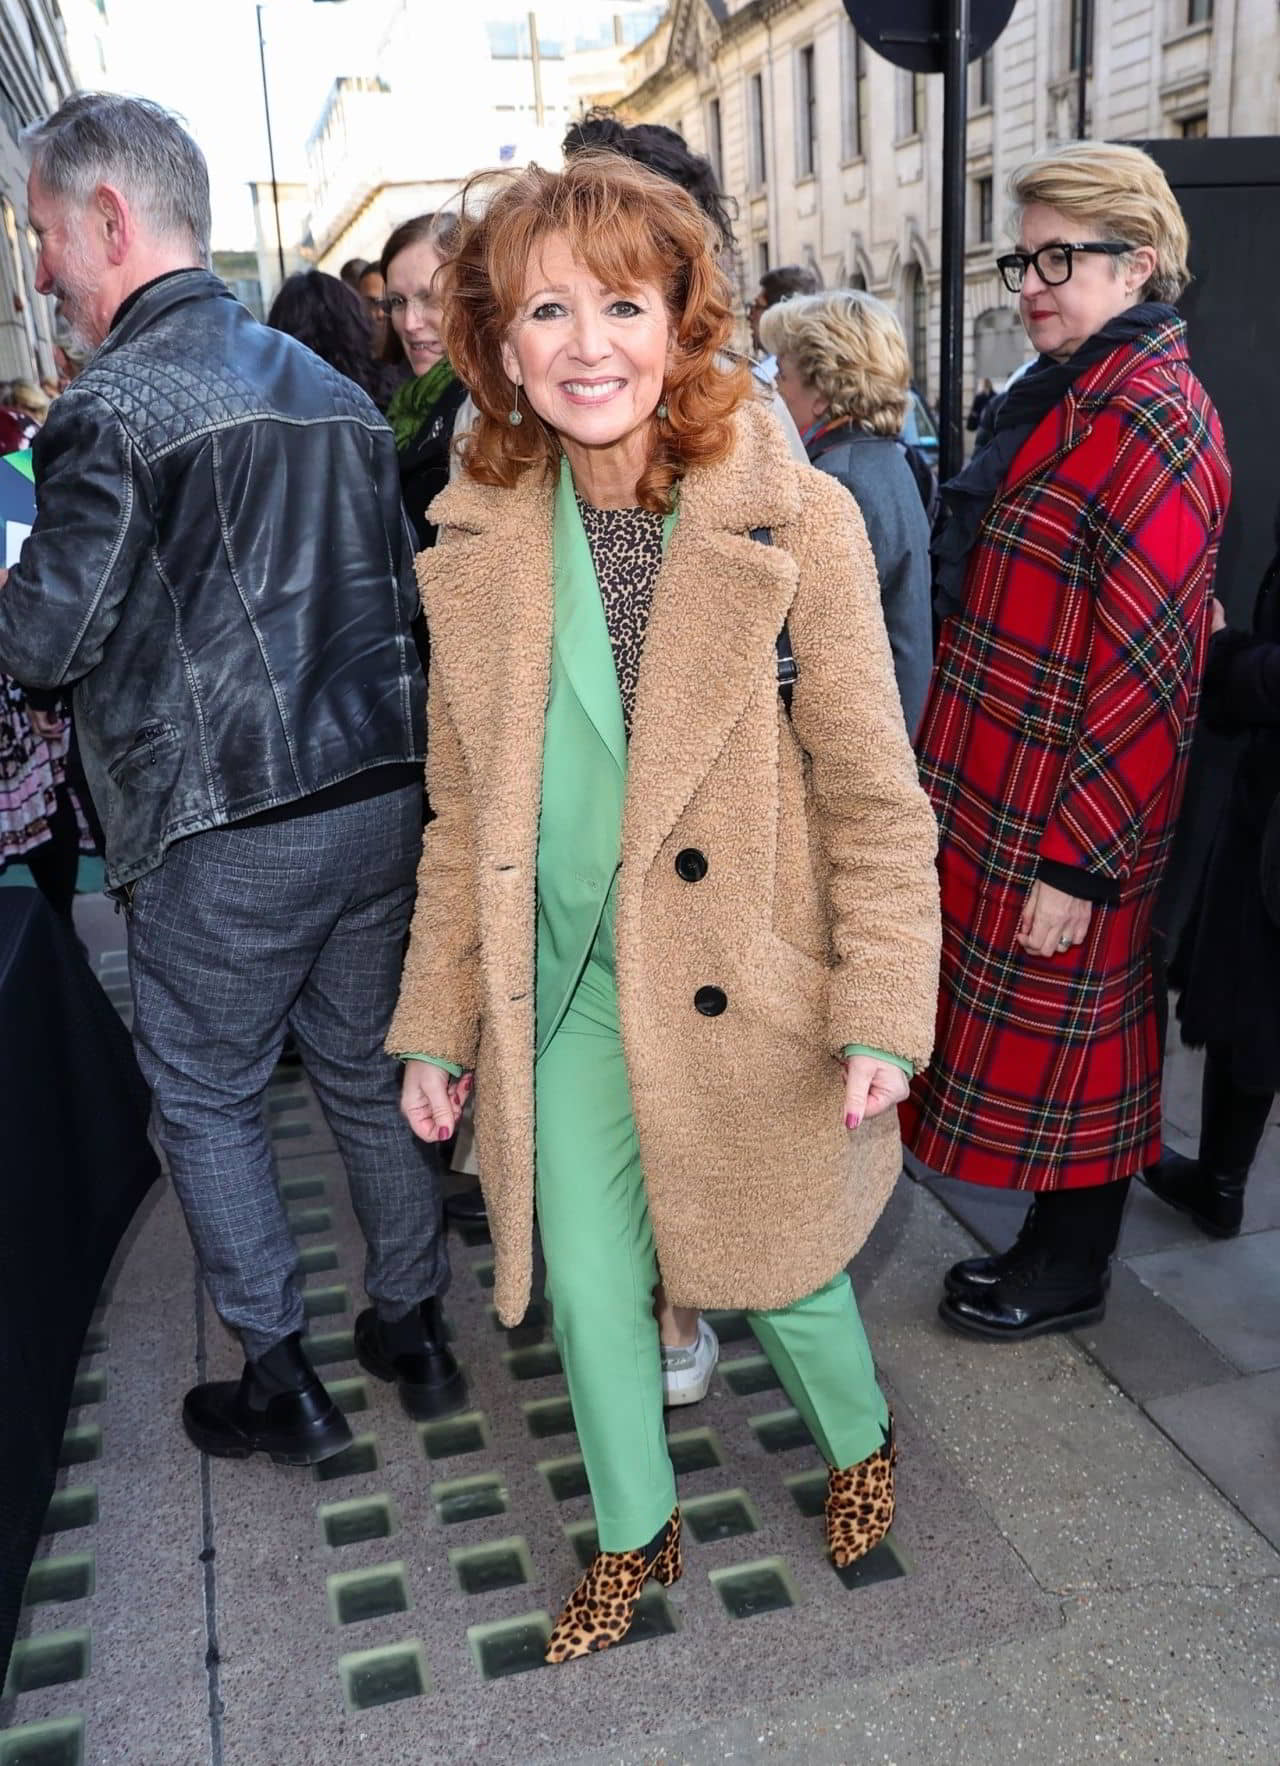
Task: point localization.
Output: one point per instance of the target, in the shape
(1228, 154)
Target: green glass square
(753, 1373)
(510, 1646)
(351, 1523)
(74, 1507)
(549, 1416)
(781, 1432)
(58, 1579)
(746, 1590)
(353, 1462)
(53, 1659)
(483, 1568)
(59, 1743)
(357, 1595)
(694, 1450)
(469, 1499)
(723, 1516)
(381, 1676)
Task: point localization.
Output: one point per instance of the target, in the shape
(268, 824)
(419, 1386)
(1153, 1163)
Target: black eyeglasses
(1052, 263)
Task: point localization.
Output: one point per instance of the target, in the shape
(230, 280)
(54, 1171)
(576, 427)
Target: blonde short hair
(1121, 193)
(849, 347)
(27, 397)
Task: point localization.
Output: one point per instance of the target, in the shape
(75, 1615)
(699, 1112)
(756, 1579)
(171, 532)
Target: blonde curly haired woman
(844, 375)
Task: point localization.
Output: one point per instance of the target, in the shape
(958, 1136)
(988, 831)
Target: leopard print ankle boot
(602, 1606)
(860, 1504)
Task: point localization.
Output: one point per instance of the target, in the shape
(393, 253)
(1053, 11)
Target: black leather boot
(278, 1406)
(980, 1274)
(1211, 1188)
(413, 1354)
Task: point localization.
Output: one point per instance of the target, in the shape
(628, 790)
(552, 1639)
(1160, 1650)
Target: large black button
(710, 1001)
(691, 865)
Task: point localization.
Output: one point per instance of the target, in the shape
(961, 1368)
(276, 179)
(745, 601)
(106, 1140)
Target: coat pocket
(149, 747)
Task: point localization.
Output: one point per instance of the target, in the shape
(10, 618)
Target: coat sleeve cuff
(1075, 880)
(454, 1071)
(858, 1048)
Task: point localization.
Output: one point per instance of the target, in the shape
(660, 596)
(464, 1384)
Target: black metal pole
(955, 116)
(1084, 13)
(271, 151)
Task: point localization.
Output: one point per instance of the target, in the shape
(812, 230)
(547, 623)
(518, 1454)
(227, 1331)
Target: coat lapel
(718, 607)
(581, 634)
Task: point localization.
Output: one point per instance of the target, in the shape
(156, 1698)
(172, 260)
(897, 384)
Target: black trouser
(1232, 1120)
(54, 863)
(1081, 1227)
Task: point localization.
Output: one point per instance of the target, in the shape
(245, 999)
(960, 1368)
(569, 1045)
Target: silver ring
(1064, 944)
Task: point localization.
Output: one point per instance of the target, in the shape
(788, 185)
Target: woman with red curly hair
(684, 938)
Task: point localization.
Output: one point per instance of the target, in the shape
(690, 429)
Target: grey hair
(101, 138)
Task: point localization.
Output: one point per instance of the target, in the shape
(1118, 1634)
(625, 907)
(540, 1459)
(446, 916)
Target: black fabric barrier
(74, 1165)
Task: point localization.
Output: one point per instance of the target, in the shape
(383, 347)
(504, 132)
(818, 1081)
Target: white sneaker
(686, 1373)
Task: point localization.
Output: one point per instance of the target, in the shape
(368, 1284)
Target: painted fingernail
(851, 1120)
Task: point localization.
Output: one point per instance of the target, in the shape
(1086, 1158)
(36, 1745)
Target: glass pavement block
(353, 1462)
(509, 1646)
(746, 1590)
(53, 1659)
(80, 1445)
(455, 1435)
(548, 1416)
(59, 1743)
(309, 1220)
(330, 1346)
(582, 1537)
(725, 1515)
(566, 1478)
(469, 1499)
(474, 1234)
(373, 1677)
(694, 1450)
(483, 1272)
(781, 1431)
(653, 1617)
(538, 1363)
(351, 1523)
(95, 1341)
(357, 1595)
(289, 1131)
(480, 1569)
(318, 1258)
(302, 1189)
(808, 1490)
(753, 1373)
(884, 1564)
(74, 1507)
(324, 1302)
(350, 1396)
(54, 1580)
(89, 1388)
(729, 1326)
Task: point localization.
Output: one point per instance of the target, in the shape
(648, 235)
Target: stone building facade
(834, 156)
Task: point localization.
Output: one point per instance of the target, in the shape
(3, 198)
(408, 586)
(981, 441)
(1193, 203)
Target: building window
(917, 306)
(806, 113)
(758, 161)
(715, 140)
(1194, 128)
(1199, 12)
(762, 257)
(983, 209)
(1076, 25)
(984, 81)
(853, 80)
(912, 101)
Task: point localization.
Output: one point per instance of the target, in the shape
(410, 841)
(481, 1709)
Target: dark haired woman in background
(330, 318)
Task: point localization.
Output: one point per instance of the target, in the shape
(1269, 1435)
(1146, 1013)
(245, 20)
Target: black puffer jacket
(221, 565)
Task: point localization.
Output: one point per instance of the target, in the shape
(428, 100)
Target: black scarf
(1010, 418)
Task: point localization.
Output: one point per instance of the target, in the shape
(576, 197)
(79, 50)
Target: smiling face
(592, 361)
(415, 306)
(1058, 318)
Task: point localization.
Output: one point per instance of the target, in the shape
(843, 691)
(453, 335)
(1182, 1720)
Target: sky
(201, 60)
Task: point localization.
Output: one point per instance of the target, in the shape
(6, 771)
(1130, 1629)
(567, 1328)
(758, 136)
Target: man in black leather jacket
(220, 568)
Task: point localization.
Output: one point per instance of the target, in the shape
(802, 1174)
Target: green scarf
(414, 400)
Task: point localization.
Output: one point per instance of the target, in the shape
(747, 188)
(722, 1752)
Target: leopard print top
(626, 549)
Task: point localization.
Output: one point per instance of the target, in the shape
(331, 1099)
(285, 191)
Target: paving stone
(1232, 1431)
(1228, 1290)
(1147, 1347)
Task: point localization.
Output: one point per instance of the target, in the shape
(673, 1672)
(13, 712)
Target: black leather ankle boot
(979, 1274)
(1211, 1188)
(414, 1354)
(278, 1406)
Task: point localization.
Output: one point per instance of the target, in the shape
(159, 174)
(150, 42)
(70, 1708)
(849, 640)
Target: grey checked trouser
(240, 935)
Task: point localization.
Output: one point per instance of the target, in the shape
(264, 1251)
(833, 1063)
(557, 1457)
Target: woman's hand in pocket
(431, 1100)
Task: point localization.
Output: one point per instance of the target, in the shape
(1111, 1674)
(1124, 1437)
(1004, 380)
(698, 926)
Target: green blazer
(584, 772)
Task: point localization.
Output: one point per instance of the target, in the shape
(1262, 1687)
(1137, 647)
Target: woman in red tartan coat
(1078, 562)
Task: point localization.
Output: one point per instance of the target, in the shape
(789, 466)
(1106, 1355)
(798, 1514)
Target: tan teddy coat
(818, 914)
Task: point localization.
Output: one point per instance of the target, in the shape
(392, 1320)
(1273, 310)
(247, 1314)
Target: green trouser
(602, 1269)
